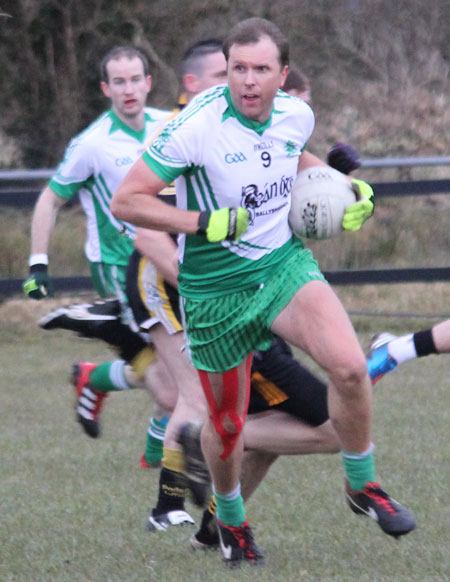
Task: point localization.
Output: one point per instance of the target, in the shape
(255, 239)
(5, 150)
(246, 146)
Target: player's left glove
(344, 158)
(39, 284)
(357, 214)
(223, 224)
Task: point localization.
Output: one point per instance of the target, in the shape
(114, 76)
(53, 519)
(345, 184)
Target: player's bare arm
(307, 160)
(43, 220)
(135, 201)
(160, 249)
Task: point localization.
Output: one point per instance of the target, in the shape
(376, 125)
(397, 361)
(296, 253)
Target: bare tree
(379, 69)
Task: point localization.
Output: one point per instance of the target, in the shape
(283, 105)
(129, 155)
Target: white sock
(402, 349)
(117, 375)
(234, 494)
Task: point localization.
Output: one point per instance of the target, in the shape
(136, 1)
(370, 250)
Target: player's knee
(229, 426)
(227, 422)
(351, 372)
(231, 423)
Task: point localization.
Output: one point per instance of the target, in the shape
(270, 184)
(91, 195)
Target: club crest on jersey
(292, 149)
(253, 199)
(163, 136)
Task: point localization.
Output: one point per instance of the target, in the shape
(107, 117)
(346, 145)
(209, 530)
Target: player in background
(156, 307)
(239, 283)
(94, 164)
(203, 65)
(388, 351)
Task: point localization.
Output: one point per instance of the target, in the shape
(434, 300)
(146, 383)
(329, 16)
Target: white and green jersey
(94, 164)
(219, 159)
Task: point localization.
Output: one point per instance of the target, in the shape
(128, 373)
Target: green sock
(109, 377)
(230, 507)
(155, 440)
(359, 468)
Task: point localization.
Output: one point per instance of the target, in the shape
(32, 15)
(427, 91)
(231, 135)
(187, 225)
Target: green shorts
(222, 331)
(109, 280)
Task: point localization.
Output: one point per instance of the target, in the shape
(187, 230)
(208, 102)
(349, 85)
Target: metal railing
(22, 187)
(405, 162)
(22, 194)
(47, 173)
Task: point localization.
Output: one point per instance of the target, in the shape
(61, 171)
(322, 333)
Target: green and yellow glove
(223, 224)
(39, 284)
(357, 213)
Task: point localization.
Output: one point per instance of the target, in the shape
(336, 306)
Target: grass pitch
(74, 509)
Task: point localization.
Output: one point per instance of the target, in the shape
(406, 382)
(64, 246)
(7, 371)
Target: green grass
(74, 509)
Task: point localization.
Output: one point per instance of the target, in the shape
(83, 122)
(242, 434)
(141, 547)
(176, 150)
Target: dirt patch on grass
(25, 312)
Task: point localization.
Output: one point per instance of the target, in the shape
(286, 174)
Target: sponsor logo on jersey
(264, 145)
(235, 158)
(253, 199)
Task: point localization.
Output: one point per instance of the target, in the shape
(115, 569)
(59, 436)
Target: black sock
(424, 343)
(172, 492)
(118, 334)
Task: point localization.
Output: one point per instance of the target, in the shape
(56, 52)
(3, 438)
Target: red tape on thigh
(228, 407)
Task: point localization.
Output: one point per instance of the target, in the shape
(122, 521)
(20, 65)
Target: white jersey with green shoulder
(219, 159)
(94, 164)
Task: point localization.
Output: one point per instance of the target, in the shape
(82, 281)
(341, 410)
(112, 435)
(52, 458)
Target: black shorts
(279, 382)
(152, 299)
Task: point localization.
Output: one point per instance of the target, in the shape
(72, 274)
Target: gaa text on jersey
(123, 161)
(235, 158)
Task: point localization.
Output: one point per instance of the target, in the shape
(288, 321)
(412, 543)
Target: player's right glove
(223, 224)
(39, 284)
(344, 158)
(357, 214)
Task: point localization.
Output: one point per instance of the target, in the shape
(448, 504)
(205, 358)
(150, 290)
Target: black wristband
(39, 267)
(203, 221)
(424, 343)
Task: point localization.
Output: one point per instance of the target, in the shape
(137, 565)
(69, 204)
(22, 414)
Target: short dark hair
(117, 53)
(296, 80)
(192, 59)
(251, 30)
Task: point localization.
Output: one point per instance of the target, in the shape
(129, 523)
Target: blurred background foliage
(379, 69)
(380, 76)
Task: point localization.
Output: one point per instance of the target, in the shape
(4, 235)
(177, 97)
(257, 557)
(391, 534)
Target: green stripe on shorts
(109, 280)
(222, 331)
